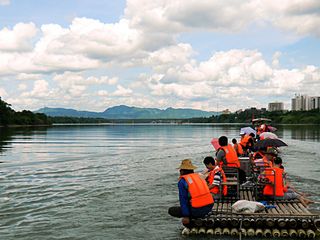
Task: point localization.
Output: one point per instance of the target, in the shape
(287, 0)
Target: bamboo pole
(185, 231)
(226, 231)
(194, 230)
(243, 232)
(259, 232)
(304, 223)
(284, 233)
(250, 232)
(209, 222)
(218, 231)
(293, 233)
(292, 223)
(234, 222)
(276, 233)
(202, 230)
(210, 231)
(316, 222)
(224, 222)
(311, 233)
(270, 222)
(281, 222)
(246, 223)
(234, 232)
(259, 222)
(301, 233)
(267, 233)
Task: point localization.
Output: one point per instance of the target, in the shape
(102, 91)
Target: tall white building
(304, 103)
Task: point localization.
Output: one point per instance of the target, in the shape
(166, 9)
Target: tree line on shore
(277, 117)
(10, 117)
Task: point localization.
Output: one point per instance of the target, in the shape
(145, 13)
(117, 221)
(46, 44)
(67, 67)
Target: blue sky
(91, 55)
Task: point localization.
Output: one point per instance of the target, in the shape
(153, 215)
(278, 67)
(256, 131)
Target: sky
(202, 54)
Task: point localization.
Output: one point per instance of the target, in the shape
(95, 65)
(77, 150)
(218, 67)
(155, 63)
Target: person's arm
(184, 197)
(221, 157)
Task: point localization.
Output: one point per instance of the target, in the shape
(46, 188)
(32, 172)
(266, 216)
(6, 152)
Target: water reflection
(300, 132)
(5, 138)
(8, 134)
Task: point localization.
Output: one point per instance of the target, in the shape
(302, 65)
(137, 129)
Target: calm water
(117, 182)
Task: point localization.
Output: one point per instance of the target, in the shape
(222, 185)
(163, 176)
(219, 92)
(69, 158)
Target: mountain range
(126, 112)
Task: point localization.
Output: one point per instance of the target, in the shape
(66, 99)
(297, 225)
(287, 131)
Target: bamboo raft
(287, 218)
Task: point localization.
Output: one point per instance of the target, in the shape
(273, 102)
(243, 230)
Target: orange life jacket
(245, 141)
(231, 156)
(275, 176)
(257, 155)
(198, 189)
(238, 149)
(216, 189)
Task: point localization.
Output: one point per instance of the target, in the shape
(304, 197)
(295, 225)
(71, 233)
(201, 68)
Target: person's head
(223, 141)
(209, 162)
(271, 153)
(186, 167)
(278, 161)
(234, 141)
(252, 135)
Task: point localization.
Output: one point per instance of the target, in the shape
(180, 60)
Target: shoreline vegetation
(11, 118)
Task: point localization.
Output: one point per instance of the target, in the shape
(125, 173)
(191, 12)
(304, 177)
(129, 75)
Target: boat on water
(276, 218)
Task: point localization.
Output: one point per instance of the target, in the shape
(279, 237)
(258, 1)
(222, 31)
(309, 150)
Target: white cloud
(28, 76)
(122, 92)
(103, 93)
(19, 38)
(227, 16)
(40, 90)
(102, 80)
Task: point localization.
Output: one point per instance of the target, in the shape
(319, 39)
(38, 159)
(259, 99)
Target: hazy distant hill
(125, 112)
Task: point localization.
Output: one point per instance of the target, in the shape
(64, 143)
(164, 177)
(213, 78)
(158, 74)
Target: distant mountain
(126, 112)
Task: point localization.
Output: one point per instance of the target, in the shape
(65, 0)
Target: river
(117, 181)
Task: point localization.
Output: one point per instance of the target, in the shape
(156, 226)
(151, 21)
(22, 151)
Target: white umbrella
(247, 130)
(266, 135)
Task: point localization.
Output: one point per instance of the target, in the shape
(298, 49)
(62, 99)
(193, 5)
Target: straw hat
(187, 165)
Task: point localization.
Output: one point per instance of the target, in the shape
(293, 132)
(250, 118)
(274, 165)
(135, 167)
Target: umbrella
(266, 135)
(247, 130)
(269, 143)
(272, 129)
(215, 143)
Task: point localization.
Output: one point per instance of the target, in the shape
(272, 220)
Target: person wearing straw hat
(194, 195)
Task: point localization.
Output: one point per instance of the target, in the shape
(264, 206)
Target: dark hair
(234, 141)
(208, 160)
(186, 171)
(223, 141)
(278, 160)
(252, 134)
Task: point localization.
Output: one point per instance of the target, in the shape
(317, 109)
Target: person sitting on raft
(237, 147)
(277, 180)
(226, 156)
(267, 158)
(194, 195)
(247, 142)
(216, 177)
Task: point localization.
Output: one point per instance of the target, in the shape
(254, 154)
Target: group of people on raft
(197, 191)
